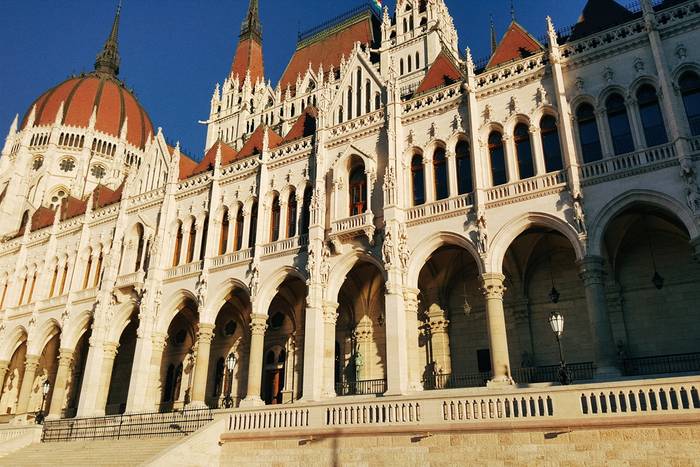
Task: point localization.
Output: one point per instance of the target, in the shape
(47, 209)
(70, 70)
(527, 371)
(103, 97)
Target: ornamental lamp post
(230, 365)
(45, 388)
(556, 321)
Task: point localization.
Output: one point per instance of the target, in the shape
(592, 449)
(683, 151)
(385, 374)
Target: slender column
(537, 151)
(246, 227)
(158, 342)
(313, 381)
(198, 239)
(58, 398)
(429, 176)
(452, 173)
(185, 244)
(4, 366)
(204, 337)
(232, 216)
(258, 325)
(410, 300)
(284, 213)
(593, 275)
(396, 339)
(31, 364)
(635, 123)
(363, 337)
(493, 289)
(330, 317)
(440, 339)
(110, 353)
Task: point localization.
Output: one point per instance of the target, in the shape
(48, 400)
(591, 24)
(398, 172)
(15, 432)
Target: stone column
(109, 354)
(247, 218)
(31, 364)
(184, 244)
(199, 389)
(593, 275)
(440, 339)
(363, 337)
(330, 317)
(537, 150)
(493, 289)
(452, 173)
(258, 326)
(428, 180)
(58, 398)
(410, 300)
(198, 238)
(511, 159)
(153, 396)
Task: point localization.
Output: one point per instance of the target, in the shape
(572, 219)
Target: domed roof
(100, 92)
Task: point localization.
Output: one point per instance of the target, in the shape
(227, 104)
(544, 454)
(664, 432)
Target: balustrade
(444, 207)
(529, 186)
(232, 258)
(628, 163)
(194, 267)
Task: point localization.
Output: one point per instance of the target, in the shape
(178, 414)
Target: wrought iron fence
(452, 381)
(358, 388)
(679, 363)
(137, 425)
(548, 374)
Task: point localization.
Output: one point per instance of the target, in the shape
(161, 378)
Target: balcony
(54, 302)
(183, 271)
(288, 245)
(231, 259)
(132, 279)
(442, 209)
(85, 295)
(361, 388)
(663, 364)
(351, 227)
(629, 164)
(529, 188)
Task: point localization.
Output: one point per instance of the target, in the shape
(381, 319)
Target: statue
(254, 280)
(325, 264)
(388, 249)
(579, 214)
(310, 265)
(404, 252)
(483, 243)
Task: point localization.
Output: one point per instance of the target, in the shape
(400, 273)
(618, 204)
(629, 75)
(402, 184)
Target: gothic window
(54, 278)
(223, 235)
(589, 137)
(67, 164)
(497, 156)
(57, 198)
(238, 239)
(275, 219)
(418, 180)
(178, 245)
(690, 91)
(63, 279)
(88, 268)
(292, 112)
(306, 211)
(359, 92)
(139, 248)
(377, 101)
(21, 294)
(98, 171)
(440, 172)
(205, 234)
(410, 64)
(37, 163)
(253, 225)
(405, 25)
(417, 61)
(523, 151)
(292, 215)
(650, 114)
(401, 67)
(368, 97)
(31, 288)
(550, 144)
(619, 123)
(358, 190)
(190, 242)
(464, 168)
(98, 271)
(349, 109)
(340, 114)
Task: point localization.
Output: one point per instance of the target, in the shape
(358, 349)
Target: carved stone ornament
(388, 249)
(202, 289)
(608, 75)
(638, 65)
(681, 52)
(482, 235)
(325, 264)
(512, 105)
(254, 280)
(579, 214)
(404, 251)
(310, 265)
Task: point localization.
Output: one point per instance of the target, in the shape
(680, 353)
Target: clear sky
(174, 51)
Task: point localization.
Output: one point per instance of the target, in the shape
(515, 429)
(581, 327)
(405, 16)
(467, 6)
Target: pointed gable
(72, 207)
(442, 72)
(228, 155)
(42, 218)
(187, 166)
(304, 127)
(254, 145)
(516, 43)
(104, 196)
(598, 15)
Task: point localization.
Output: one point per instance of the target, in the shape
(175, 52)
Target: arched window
(550, 144)
(349, 109)
(619, 123)
(54, 278)
(4, 294)
(306, 211)
(63, 279)
(690, 91)
(139, 248)
(223, 236)
(178, 245)
(405, 25)
(368, 96)
(98, 271)
(440, 171)
(21, 293)
(523, 151)
(31, 288)
(464, 168)
(410, 64)
(377, 101)
(291, 230)
(340, 114)
(190, 242)
(650, 114)
(588, 134)
(497, 157)
(418, 180)
(275, 219)
(205, 234)
(417, 61)
(358, 190)
(88, 268)
(253, 225)
(401, 67)
(359, 92)
(238, 238)
(410, 23)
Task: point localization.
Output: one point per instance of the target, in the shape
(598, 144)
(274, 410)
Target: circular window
(277, 321)
(58, 198)
(38, 162)
(98, 171)
(67, 165)
(230, 328)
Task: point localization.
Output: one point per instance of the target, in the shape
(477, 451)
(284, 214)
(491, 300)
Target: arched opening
(497, 158)
(651, 116)
(238, 234)
(283, 361)
(192, 239)
(75, 381)
(46, 371)
(619, 124)
(523, 151)
(464, 168)
(689, 84)
(223, 234)
(453, 336)
(358, 187)
(178, 245)
(417, 180)
(306, 210)
(275, 218)
(203, 242)
(589, 137)
(177, 364)
(88, 270)
(550, 144)
(231, 336)
(121, 370)
(442, 190)
(654, 283)
(140, 243)
(291, 221)
(360, 332)
(13, 379)
(253, 224)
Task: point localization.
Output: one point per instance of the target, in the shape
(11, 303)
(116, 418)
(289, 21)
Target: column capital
(592, 270)
(330, 312)
(258, 324)
(492, 285)
(65, 355)
(110, 349)
(205, 332)
(31, 361)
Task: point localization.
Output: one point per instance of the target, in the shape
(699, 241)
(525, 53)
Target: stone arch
(172, 308)
(582, 99)
(12, 341)
(272, 283)
(597, 229)
(429, 245)
(682, 68)
(612, 89)
(515, 120)
(455, 138)
(642, 80)
(42, 336)
(504, 237)
(489, 127)
(542, 111)
(74, 330)
(343, 268)
(223, 291)
(120, 320)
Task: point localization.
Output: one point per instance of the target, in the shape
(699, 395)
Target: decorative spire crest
(108, 59)
(251, 27)
(494, 41)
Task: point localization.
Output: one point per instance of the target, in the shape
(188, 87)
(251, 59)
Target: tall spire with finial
(512, 10)
(108, 59)
(249, 56)
(494, 41)
(251, 27)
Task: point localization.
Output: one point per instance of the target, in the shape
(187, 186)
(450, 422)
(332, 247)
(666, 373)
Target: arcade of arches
(638, 300)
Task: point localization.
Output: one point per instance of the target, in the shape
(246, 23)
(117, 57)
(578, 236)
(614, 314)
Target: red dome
(82, 94)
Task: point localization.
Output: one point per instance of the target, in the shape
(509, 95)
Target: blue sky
(175, 51)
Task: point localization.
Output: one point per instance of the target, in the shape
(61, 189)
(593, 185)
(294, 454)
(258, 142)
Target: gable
(517, 43)
(442, 72)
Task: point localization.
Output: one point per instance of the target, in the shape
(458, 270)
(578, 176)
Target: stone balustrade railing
(439, 209)
(286, 245)
(231, 259)
(628, 164)
(353, 223)
(133, 278)
(656, 397)
(86, 294)
(184, 270)
(525, 189)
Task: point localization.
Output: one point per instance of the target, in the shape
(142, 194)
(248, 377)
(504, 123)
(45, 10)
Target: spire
(512, 10)
(251, 27)
(108, 59)
(494, 41)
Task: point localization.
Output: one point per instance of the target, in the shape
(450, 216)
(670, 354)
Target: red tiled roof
(598, 15)
(104, 196)
(228, 155)
(72, 207)
(187, 167)
(328, 50)
(305, 125)
(516, 43)
(442, 72)
(81, 95)
(42, 218)
(249, 56)
(254, 145)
